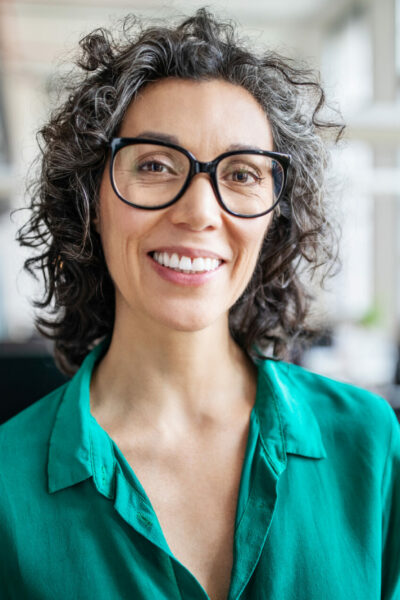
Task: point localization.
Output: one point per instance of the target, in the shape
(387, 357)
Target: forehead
(205, 116)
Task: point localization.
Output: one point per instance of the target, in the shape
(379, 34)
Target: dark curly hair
(74, 144)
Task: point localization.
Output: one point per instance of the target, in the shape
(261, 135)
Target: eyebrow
(159, 137)
(243, 147)
(172, 139)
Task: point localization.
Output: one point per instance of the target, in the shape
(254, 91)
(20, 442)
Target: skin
(174, 391)
(171, 343)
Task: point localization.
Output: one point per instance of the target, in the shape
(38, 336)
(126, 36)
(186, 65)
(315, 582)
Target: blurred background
(356, 46)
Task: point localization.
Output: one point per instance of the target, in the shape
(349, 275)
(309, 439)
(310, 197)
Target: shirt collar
(75, 452)
(286, 415)
(79, 448)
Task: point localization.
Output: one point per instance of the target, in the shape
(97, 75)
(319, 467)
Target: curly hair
(79, 295)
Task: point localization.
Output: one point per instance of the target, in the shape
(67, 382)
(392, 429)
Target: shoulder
(324, 393)
(24, 445)
(24, 438)
(329, 393)
(347, 415)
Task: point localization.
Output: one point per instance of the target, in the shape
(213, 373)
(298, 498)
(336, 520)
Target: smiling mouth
(184, 264)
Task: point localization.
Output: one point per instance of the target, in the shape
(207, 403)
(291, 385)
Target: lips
(185, 264)
(188, 252)
(185, 277)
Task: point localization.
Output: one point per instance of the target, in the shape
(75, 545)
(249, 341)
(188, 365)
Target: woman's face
(207, 118)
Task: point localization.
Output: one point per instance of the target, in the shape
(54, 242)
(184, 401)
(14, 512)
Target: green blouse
(318, 513)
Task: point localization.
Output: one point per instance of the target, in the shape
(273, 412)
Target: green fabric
(318, 513)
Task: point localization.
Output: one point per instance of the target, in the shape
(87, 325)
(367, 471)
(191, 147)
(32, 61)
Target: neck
(169, 380)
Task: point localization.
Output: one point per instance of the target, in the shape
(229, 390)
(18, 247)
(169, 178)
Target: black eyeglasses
(151, 174)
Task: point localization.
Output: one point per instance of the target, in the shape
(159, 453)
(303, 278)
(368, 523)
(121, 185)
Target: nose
(198, 209)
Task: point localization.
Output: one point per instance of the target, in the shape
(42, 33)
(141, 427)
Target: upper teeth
(184, 263)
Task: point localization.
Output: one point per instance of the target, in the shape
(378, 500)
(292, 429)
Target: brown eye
(240, 175)
(153, 166)
(243, 176)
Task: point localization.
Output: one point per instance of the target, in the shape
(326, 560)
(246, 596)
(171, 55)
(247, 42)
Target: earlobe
(96, 223)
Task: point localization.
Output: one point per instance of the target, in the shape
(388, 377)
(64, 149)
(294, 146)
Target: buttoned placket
(96, 454)
(115, 478)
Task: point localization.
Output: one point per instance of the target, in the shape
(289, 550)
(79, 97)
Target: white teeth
(198, 264)
(174, 261)
(184, 263)
(166, 259)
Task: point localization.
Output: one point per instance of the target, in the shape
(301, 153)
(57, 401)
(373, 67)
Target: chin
(180, 321)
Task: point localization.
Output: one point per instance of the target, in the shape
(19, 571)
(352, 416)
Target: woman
(181, 184)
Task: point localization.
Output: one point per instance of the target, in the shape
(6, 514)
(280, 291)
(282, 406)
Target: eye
(152, 166)
(243, 175)
(239, 174)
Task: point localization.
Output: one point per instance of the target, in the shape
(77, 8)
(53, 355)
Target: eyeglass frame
(197, 167)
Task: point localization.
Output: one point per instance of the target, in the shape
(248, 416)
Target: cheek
(117, 221)
(121, 232)
(120, 227)
(252, 235)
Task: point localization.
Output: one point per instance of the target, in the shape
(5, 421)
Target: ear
(96, 223)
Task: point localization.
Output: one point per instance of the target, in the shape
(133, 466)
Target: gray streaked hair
(270, 316)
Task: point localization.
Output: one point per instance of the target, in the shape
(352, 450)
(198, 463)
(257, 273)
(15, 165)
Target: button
(144, 519)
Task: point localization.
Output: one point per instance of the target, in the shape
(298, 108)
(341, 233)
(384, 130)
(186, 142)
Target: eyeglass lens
(150, 175)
